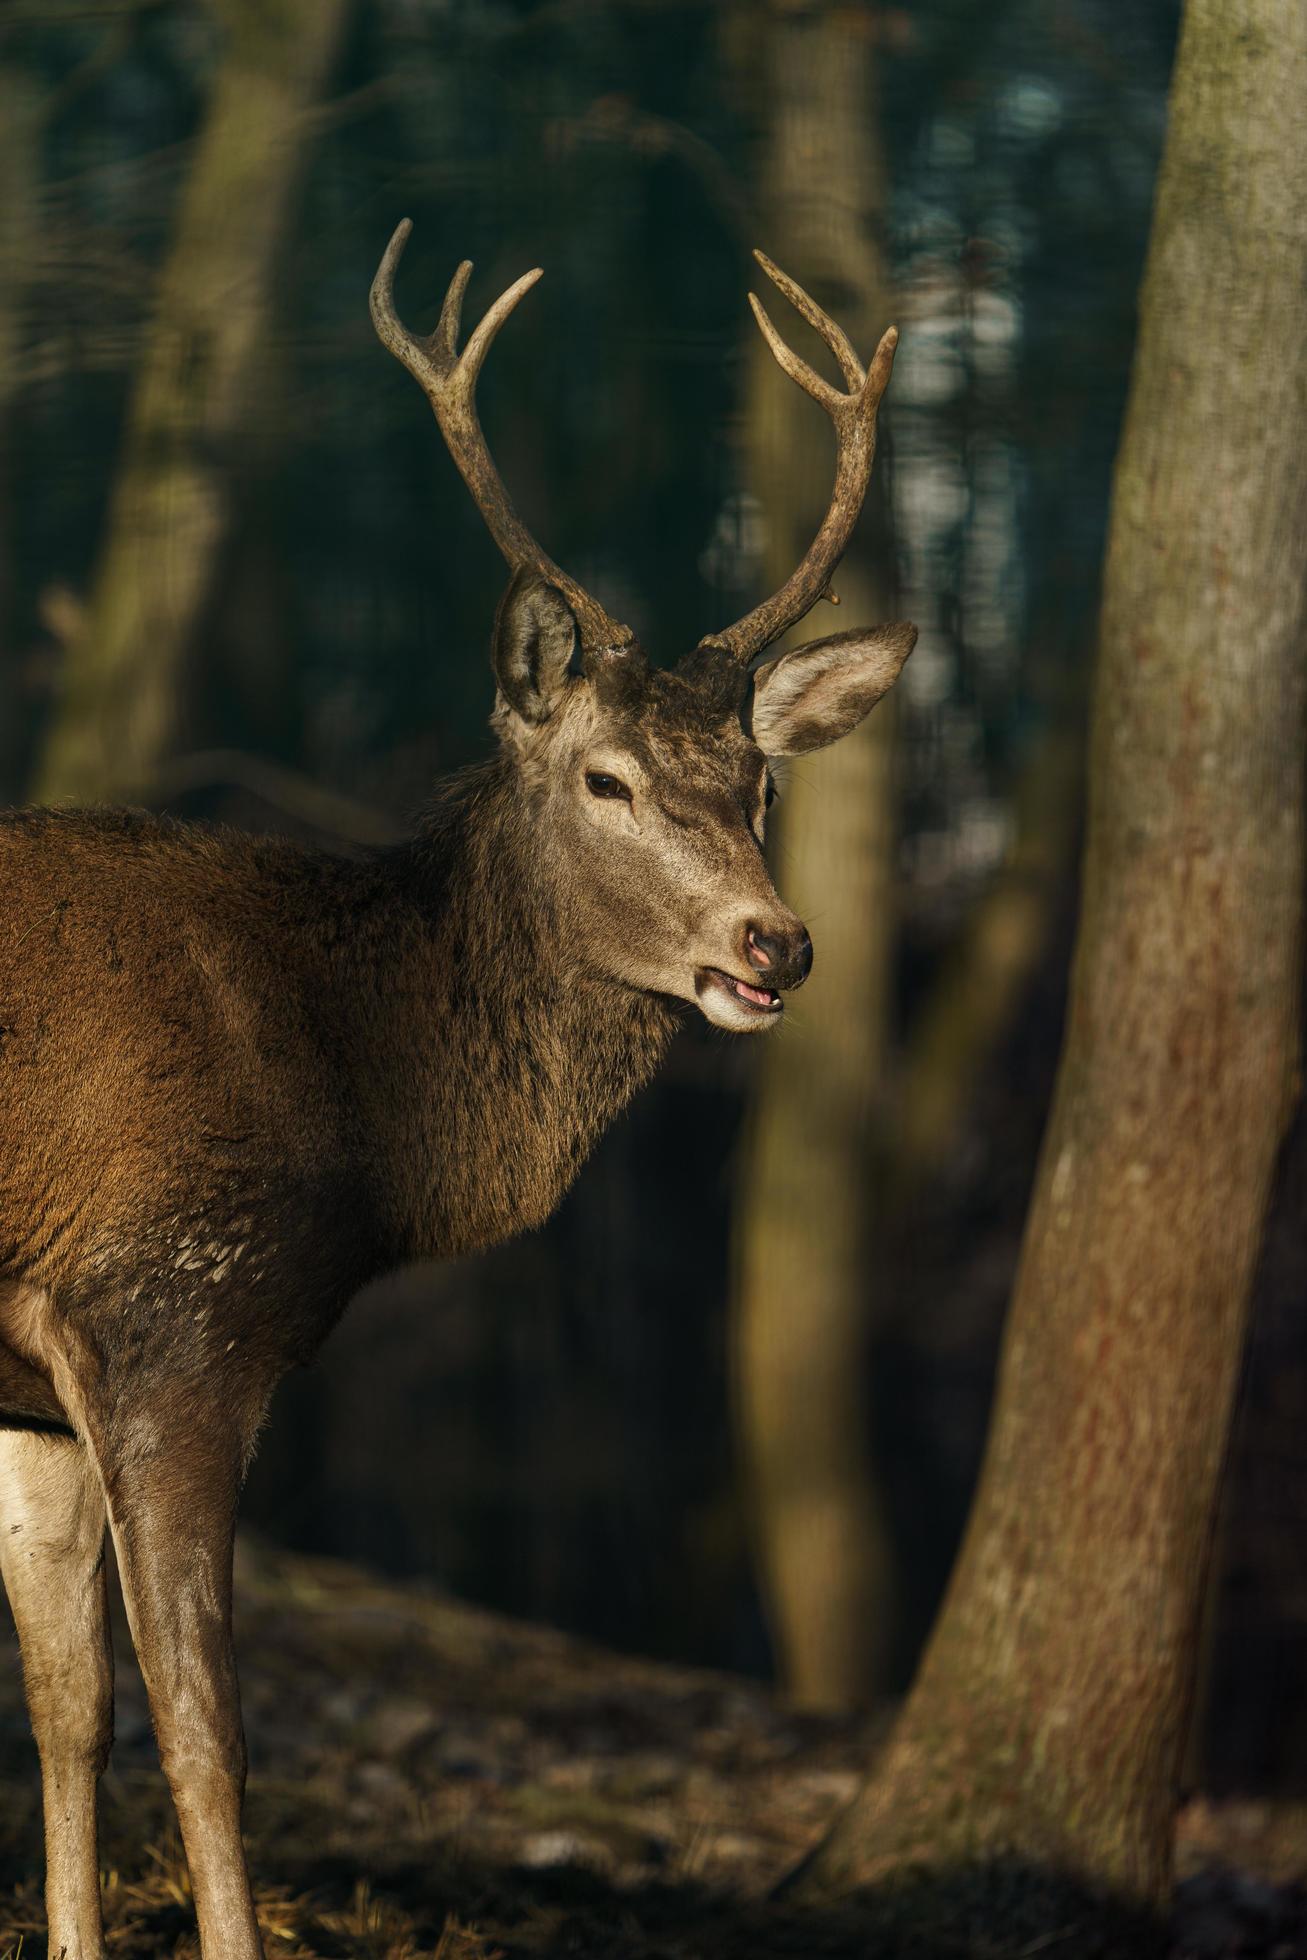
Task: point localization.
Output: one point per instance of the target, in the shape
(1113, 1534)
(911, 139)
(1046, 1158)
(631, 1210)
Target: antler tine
(381, 298)
(449, 380)
(834, 336)
(469, 361)
(794, 365)
(451, 313)
(854, 417)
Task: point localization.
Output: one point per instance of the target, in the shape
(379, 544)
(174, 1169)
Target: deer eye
(771, 793)
(599, 784)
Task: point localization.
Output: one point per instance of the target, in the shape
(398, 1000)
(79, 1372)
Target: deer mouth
(741, 998)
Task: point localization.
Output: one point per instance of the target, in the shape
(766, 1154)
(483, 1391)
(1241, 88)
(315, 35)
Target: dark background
(547, 1428)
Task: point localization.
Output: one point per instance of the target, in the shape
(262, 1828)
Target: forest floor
(431, 1780)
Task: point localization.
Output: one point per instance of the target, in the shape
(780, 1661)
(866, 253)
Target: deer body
(390, 1041)
(239, 1078)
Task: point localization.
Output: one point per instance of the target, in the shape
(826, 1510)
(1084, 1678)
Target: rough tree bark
(801, 1291)
(125, 683)
(1049, 1714)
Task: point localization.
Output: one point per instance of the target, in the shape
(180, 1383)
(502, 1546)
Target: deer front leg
(52, 1557)
(172, 1512)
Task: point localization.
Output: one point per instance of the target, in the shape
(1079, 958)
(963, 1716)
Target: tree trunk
(126, 679)
(1049, 1715)
(974, 1003)
(20, 120)
(803, 1239)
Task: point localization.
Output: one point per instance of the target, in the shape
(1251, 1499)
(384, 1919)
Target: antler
(854, 416)
(449, 381)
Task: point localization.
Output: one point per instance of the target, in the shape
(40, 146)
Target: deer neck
(504, 1058)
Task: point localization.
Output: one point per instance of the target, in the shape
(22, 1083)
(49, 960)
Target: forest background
(729, 1406)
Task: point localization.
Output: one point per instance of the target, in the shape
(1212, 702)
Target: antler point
(778, 278)
(854, 415)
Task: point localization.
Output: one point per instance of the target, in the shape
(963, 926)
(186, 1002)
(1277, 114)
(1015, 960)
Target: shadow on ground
(463, 1911)
(428, 1779)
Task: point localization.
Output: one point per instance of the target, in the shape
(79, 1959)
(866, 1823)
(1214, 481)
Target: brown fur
(222, 1051)
(239, 1078)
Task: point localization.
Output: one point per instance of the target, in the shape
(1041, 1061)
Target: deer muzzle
(747, 995)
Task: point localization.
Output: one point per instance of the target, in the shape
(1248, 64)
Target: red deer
(239, 1078)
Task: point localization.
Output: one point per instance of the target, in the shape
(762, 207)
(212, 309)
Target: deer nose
(785, 958)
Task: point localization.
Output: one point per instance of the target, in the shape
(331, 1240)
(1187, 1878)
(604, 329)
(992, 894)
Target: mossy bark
(1049, 1716)
(804, 1220)
(125, 687)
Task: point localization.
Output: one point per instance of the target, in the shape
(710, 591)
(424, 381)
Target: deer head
(647, 788)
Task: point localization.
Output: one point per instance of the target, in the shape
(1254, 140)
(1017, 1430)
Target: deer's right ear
(534, 647)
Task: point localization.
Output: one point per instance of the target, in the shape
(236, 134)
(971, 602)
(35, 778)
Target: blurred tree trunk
(1050, 1712)
(126, 681)
(972, 1006)
(19, 233)
(804, 1231)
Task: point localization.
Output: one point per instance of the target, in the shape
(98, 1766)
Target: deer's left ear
(819, 692)
(534, 641)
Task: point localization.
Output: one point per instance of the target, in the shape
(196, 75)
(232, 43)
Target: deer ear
(819, 692)
(533, 646)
